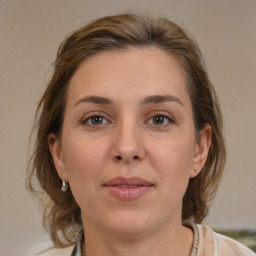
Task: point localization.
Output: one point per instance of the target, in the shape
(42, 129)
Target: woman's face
(128, 146)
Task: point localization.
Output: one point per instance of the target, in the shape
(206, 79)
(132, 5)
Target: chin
(129, 223)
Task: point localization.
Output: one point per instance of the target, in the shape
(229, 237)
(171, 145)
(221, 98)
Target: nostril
(120, 158)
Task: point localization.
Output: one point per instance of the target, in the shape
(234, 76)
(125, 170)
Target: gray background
(31, 31)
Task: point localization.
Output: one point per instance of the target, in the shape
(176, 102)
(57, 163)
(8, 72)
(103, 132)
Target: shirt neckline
(187, 223)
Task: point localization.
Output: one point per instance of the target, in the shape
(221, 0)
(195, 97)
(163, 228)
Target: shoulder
(57, 252)
(222, 245)
(46, 248)
(228, 245)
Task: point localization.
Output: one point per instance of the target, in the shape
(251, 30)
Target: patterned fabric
(79, 245)
(213, 244)
(78, 248)
(206, 243)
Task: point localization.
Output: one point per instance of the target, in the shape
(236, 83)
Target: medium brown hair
(61, 213)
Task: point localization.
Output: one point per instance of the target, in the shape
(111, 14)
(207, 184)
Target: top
(206, 243)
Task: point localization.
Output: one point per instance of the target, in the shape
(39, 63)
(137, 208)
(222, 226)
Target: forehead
(115, 73)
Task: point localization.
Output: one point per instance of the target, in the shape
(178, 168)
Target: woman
(129, 146)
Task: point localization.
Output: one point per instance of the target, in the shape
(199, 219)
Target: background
(31, 31)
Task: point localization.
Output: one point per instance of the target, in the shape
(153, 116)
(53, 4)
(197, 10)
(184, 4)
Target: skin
(130, 138)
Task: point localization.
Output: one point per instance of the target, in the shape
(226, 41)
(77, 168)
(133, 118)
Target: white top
(206, 243)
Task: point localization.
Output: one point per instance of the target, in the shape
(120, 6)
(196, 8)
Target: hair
(62, 216)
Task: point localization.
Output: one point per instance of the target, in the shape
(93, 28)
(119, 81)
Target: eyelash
(85, 120)
(166, 117)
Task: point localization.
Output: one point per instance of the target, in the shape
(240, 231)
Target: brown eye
(159, 120)
(95, 120)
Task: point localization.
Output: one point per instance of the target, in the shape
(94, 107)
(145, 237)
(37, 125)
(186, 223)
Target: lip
(128, 188)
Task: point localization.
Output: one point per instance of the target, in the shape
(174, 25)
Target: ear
(201, 150)
(55, 147)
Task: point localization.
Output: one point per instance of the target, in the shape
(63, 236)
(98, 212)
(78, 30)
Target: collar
(187, 223)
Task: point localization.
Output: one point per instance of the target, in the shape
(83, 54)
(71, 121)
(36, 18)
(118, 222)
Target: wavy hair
(62, 216)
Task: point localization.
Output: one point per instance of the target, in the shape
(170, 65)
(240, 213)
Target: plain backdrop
(31, 31)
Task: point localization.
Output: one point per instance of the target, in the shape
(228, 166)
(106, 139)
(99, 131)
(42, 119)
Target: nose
(127, 144)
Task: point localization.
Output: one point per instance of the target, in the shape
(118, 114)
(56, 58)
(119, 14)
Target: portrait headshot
(134, 123)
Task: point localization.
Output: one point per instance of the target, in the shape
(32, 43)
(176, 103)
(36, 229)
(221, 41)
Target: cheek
(84, 165)
(84, 161)
(173, 161)
(173, 156)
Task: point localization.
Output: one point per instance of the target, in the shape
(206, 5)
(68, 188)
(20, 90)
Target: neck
(172, 242)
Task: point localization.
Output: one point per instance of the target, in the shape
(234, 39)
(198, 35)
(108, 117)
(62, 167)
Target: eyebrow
(95, 99)
(154, 99)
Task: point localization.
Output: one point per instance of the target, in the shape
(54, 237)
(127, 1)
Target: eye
(160, 120)
(94, 120)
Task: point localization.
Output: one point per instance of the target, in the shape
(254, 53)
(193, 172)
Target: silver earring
(64, 186)
(196, 170)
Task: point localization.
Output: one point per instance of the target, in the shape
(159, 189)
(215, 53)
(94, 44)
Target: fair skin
(128, 114)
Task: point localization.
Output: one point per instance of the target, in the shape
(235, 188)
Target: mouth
(128, 188)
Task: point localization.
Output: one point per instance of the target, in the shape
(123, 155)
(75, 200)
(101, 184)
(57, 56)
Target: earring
(196, 171)
(64, 186)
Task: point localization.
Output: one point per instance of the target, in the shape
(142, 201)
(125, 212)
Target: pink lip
(128, 188)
